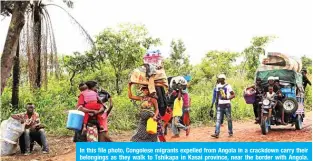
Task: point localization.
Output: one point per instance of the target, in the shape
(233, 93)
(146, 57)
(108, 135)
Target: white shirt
(270, 96)
(228, 90)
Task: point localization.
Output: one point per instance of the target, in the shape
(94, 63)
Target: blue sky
(202, 24)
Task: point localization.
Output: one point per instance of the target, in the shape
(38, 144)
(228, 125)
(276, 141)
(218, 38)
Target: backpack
(224, 89)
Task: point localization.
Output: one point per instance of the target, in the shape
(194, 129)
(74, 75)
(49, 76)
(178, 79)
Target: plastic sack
(12, 130)
(7, 148)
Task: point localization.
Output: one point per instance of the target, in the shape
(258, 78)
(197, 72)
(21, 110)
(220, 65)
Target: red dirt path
(63, 149)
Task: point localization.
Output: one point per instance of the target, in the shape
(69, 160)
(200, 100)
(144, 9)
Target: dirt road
(63, 149)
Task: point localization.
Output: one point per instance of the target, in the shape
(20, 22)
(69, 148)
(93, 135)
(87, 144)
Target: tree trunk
(72, 78)
(16, 25)
(16, 77)
(117, 83)
(37, 44)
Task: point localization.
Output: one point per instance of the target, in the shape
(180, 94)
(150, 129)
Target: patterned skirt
(141, 134)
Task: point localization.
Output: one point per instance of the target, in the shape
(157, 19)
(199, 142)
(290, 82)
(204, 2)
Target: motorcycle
(267, 109)
(270, 115)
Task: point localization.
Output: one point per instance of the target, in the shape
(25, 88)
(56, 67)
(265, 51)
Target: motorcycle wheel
(265, 125)
(299, 122)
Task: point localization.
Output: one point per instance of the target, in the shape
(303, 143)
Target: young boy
(177, 114)
(270, 94)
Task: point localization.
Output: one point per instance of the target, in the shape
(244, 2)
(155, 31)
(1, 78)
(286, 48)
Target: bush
(52, 105)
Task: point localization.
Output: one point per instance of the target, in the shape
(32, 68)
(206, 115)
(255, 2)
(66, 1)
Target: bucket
(152, 126)
(75, 120)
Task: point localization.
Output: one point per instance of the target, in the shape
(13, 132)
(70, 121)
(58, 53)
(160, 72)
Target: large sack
(8, 127)
(12, 130)
(138, 76)
(7, 148)
(3, 127)
(280, 61)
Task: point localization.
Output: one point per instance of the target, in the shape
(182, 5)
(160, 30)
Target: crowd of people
(93, 101)
(272, 91)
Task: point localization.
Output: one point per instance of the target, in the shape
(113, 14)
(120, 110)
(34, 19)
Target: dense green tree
(178, 62)
(79, 63)
(124, 47)
(253, 52)
(307, 63)
(217, 62)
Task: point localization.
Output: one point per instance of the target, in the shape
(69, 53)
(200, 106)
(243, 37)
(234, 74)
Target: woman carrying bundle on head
(149, 110)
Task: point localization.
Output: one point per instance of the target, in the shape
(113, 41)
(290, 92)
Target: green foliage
(118, 52)
(217, 62)
(124, 48)
(53, 104)
(307, 63)
(178, 62)
(201, 95)
(308, 98)
(253, 52)
(77, 63)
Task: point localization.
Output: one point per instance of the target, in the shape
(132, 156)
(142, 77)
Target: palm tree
(16, 77)
(42, 35)
(40, 44)
(17, 10)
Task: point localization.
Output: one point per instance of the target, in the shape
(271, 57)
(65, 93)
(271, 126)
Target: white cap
(270, 78)
(222, 76)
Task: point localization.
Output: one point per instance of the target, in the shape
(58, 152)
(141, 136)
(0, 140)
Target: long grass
(52, 105)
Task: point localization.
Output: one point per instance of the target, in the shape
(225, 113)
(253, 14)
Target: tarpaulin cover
(283, 75)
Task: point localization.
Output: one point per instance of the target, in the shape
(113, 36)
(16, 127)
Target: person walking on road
(225, 94)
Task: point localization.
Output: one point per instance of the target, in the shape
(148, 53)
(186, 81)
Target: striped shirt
(90, 96)
(30, 121)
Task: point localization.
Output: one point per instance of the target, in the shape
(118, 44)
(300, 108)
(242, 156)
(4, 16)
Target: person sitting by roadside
(34, 131)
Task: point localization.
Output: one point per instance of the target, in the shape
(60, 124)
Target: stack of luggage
(276, 60)
(152, 66)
